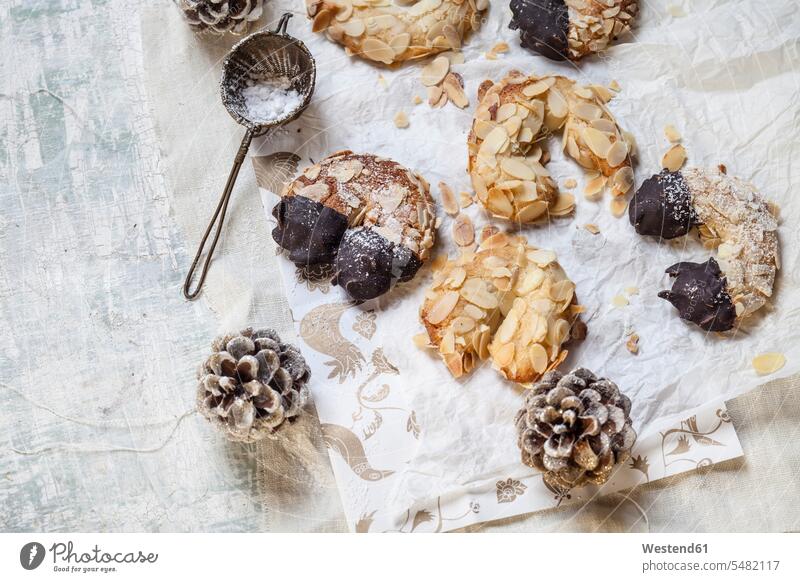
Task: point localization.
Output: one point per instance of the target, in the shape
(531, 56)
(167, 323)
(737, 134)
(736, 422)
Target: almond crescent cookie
(507, 154)
(387, 31)
(369, 217)
(571, 29)
(508, 302)
(731, 217)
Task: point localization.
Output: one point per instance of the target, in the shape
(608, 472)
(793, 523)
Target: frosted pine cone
(575, 428)
(220, 16)
(251, 384)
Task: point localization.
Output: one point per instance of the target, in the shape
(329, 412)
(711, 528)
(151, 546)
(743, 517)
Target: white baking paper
(414, 449)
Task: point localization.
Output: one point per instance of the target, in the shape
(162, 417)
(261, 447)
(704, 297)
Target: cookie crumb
(417, 100)
(570, 183)
(633, 344)
(675, 11)
(722, 168)
(632, 290)
(615, 86)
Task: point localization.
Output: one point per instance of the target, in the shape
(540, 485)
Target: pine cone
(575, 428)
(220, 16)
(251, 384)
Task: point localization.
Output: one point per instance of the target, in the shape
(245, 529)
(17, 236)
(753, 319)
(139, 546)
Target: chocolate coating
(542, 25)
(309, 230)
(700, 295)
(367, 263)
(662, 206)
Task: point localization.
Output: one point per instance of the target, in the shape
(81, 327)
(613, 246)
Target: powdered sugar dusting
(738, 222)
(270, 99)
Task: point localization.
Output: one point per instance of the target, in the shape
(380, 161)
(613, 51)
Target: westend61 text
(670, 549)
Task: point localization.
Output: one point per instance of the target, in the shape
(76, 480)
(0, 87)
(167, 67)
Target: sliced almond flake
(448, 199)
(487, 232)
(618, 206)
(615, 86)
(619, 301)
(617, 154)
(517, 168)
(597, 141)
(435, 72)
(463, 231)
(672, 134)
(674, 158)
(377, 50)
(632, 290)
(443, 307)
(593, 228)
(768, 363)
(564, 205)
(416, 100)
(594, 187)
(633, 344)
(422, 341)
(500, 47)
(570, 183)
(455, 91)
(533, 211)
(465, 199)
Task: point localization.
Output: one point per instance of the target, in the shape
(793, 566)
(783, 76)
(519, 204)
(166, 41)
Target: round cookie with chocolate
(508, 302)
(393, 32)
(369, 217)
(571, 29)
(507, 144)
(731, 217)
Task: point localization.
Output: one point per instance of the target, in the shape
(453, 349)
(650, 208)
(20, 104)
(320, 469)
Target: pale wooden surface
(94, 243)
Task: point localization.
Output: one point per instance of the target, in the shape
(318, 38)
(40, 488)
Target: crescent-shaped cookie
(507, 153)
(732, 217)
(509, 302)
(391, 32)
(571, 29)
(370, 217)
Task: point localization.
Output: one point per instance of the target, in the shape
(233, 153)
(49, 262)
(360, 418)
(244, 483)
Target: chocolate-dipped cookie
(731, 216)
(571, 29)
(370, 218)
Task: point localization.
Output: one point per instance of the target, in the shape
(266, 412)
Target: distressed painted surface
(92, 323)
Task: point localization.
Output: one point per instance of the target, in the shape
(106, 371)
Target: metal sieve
(262, 56)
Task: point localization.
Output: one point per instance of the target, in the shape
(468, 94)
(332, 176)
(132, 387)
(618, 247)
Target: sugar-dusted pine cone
(220, 16)
(251, 384)
(575, 428)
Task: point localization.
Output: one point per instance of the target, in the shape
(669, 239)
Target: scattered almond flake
(675, 11)
(382, 81)
(488, 231)
(463, 231)
(449, 202)
(614, 86)
(672, 134)
(619, 301)
(434, 72)
(421, 340)
(618, 206)
(401, 120)
(632, 290)
(455, 57)
(490, 56)
(417, 100)
(768, 363)
(465, 199)
(593, 228)
(570, 183)
(674, 158)
(633, 344)
(500, 47)
(453, 84)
